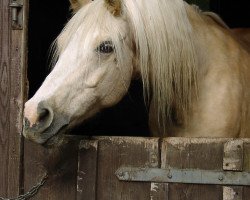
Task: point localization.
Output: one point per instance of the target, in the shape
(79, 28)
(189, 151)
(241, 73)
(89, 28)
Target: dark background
(236, 13)
(129, 117)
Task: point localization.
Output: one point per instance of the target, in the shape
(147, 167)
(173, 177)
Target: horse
(244, 35)
(195, 70)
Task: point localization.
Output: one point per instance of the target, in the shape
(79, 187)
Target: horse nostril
(38, 117)
(43, 115)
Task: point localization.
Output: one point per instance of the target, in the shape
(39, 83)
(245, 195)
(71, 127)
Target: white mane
(163, 37)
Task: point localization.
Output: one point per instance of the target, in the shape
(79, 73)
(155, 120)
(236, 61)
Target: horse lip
(57, 126)
(59, 132)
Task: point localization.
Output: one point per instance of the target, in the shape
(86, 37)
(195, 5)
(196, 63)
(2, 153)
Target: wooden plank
(4, 96)
(61, 165)
(12, 88)
(87, 170)
(233, 161)
(116, 152)
(193, 153)
(232, 193)
(159, 191)
(246, 190)
(246, 193)
(233, 155)
(246, 164)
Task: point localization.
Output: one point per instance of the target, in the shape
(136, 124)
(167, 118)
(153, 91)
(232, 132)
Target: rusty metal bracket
(17, 14)
(188, 176)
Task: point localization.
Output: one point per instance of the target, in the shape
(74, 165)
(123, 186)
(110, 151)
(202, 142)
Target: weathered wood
(233, 155)
(187, 153)
(12, 89)
(232, 193)
(233, 161)
(246, 190)
(99, 159)
(112, 153)
(159, 191)
(246, 156)
(4, 96)
(246, 193)
(87, 170)
(61, 165)
(116, 152)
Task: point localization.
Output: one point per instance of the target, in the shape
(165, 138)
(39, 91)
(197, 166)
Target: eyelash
(106, 47)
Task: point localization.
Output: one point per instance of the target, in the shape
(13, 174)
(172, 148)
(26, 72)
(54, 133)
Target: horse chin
(57, 140)
(63, 137)
(67, 134)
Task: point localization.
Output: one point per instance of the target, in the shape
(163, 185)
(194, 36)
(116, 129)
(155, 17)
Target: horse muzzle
(41, 123)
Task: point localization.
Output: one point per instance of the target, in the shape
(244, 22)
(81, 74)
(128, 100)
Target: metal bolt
(220, 177)
(170, 176)
(121, 174)
(15, 6)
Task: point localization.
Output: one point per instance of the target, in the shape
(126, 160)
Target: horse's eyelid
(107, 43)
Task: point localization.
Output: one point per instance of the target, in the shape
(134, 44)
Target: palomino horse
(195, 72)
(244, 35)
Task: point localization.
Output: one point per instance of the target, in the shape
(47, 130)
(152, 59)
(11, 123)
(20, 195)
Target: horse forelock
(86, 20)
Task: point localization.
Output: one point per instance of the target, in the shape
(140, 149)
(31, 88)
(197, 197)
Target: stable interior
(130, 116)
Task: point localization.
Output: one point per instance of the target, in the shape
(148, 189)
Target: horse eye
(106, 47)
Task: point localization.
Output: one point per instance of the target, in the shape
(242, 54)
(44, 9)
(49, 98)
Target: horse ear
(77, 4)
(114, 6)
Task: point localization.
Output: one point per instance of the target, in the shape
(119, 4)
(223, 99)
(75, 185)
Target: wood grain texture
(246, 193)
(116, 152)
(4, 96)
(99, 159)
(87, 170)
(190, 153)
(246, 164)
(61, 166)
(232, 193)
(233, 155)
(159, 191)
(12, 72)
(246, 190)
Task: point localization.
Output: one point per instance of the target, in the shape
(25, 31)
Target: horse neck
(218, 51)
(215, 47)
(243, 34)
(212, 39)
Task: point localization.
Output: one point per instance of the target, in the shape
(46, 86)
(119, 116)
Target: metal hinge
(188, 176)
(17, 14)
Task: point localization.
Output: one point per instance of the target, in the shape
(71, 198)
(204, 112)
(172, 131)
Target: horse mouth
(57, 139)
(63, 137)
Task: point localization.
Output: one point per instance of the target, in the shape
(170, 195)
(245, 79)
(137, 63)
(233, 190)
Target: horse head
(102, 48)
(94, 67)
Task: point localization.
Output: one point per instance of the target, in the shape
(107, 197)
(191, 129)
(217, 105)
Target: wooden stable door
(13, 32)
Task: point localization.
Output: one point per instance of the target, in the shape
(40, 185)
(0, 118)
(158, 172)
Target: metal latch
(17, 14)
